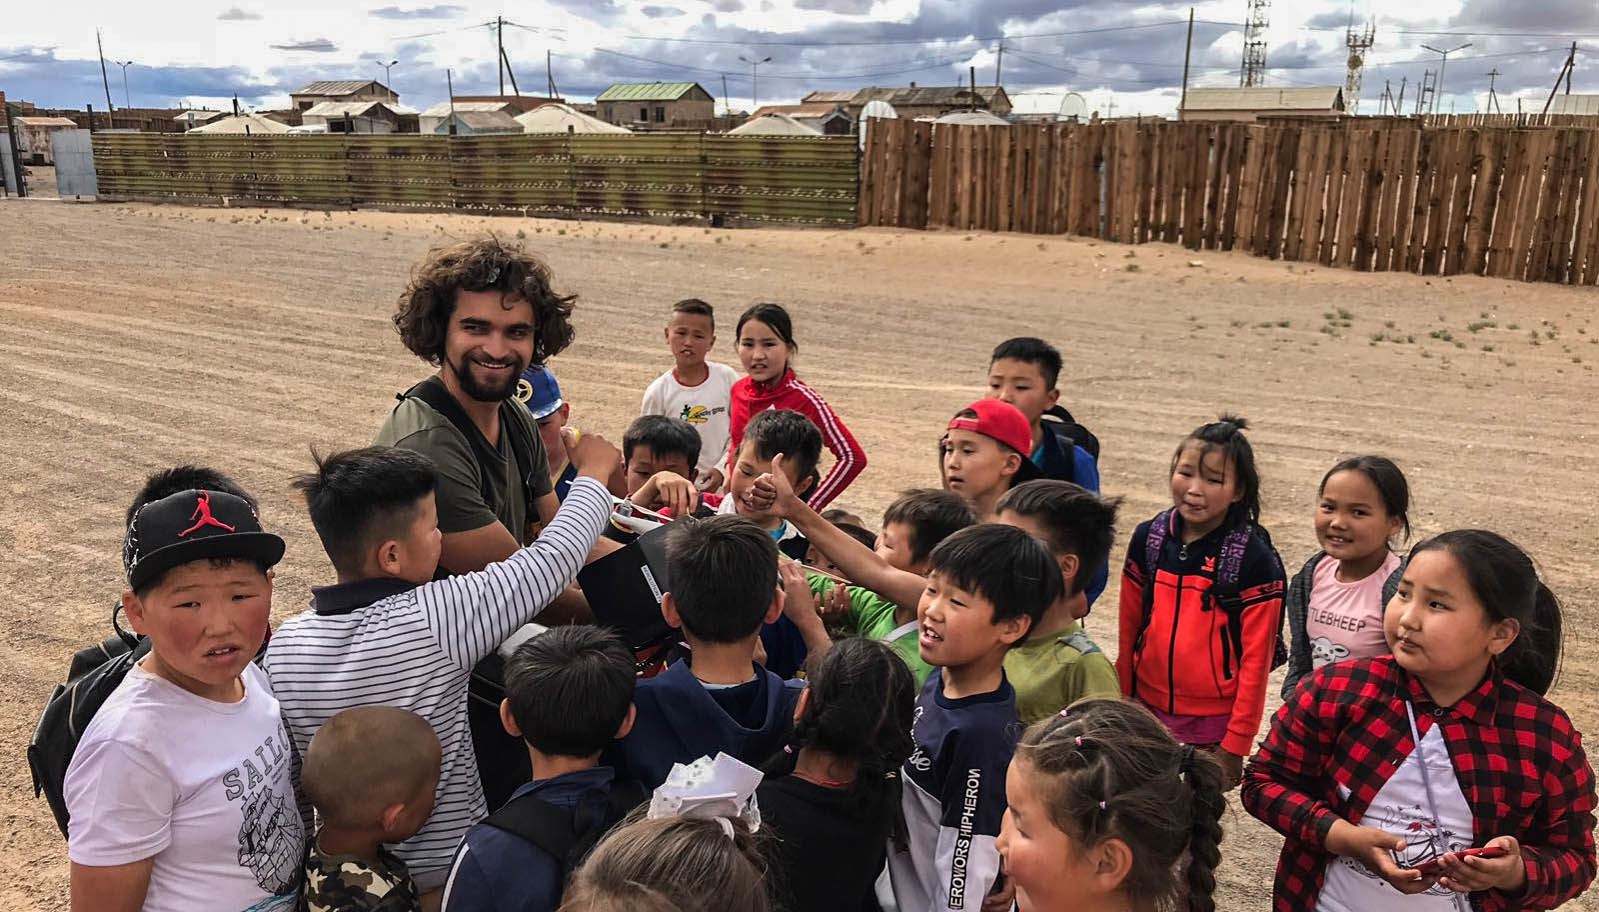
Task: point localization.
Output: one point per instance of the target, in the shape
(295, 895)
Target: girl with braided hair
(832, 799)
(1106, 811)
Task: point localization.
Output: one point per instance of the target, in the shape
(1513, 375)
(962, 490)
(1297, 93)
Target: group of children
(930, 722)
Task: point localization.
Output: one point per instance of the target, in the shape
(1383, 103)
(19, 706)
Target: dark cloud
(50, 81)
(234, 14)
(315, 45)
(442, 11)
(1542, 16)
(661, 12)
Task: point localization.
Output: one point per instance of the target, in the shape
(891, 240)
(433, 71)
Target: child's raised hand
(798, 604)
(1374, 848)
(675, 492)
(835, 605)
(1232, 769)
(1472, 874)
(710, 480)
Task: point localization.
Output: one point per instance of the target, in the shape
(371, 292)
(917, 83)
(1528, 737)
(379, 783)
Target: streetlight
(755, 70)
(124, 64)
(1439, 90)
(386, 82)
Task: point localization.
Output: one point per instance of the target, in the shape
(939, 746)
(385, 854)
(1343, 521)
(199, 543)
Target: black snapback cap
(194, 525)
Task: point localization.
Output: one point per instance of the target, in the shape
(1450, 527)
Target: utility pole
(1493, 100)
(755, 76)
(510, 72)
(727, 103)
(1425, 90)
(126, 102)
(1400, 103)
(971, 102)
(1253, 72)
(1438, 87)
(499, 47)
(549, 75)
(450, 82)
(999, 63)
(104, 80)
(1565, 73)
(1188, 52)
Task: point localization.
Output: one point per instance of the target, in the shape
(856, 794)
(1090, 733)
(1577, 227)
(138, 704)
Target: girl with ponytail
(832, 799)
(1439, 771)
(1108, 812)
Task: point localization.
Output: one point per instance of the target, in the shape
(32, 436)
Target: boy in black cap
(179, 791)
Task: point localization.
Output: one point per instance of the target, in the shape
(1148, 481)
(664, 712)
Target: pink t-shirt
(1344, 620)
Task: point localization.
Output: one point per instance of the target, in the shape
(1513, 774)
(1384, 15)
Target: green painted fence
(671, 175)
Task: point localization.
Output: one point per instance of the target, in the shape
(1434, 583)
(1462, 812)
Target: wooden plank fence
(671, 175)
(1393, 194)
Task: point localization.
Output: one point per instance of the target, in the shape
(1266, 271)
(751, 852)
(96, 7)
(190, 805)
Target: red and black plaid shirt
(1517, 757)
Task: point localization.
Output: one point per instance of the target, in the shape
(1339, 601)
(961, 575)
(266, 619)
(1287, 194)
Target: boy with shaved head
(372, 773)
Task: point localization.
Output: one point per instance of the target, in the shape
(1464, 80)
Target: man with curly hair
(482, 311)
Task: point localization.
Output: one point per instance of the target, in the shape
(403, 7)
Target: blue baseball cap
(538, 391)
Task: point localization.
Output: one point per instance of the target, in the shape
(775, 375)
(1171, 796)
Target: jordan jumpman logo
(203, 517)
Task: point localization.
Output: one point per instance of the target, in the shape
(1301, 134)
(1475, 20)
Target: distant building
(479, 123)
(436, 119)
(510, 104)
(358, 117)
(657, 105)
(915, 101)
(188, 120)
(830, 119)
(1575, 104)
(1251, 104)
(341, 90)
(33, 137)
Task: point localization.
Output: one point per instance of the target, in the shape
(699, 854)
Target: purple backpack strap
(1155, 540)
(1231, 565)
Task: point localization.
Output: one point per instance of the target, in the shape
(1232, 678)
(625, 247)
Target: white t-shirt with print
(201, 786)
(1402, 808)
(704, 406)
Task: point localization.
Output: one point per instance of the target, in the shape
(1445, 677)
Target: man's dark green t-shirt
(463, 503)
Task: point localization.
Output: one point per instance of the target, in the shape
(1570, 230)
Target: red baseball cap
(1003, 422)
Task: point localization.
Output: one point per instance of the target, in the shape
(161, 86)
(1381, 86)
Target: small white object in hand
(719, 789)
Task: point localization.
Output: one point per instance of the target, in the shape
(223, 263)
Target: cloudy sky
(1129, 54)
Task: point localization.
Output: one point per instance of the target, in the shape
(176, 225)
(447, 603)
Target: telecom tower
(1254, 70)
(1359, 43)
(1424, 95)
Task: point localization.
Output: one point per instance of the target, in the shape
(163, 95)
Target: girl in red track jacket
(765, 345)
(1201, 600)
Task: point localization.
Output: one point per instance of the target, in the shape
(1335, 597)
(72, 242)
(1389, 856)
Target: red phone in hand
(1434, 865)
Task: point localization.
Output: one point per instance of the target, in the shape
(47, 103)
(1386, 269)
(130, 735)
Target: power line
(903, 41)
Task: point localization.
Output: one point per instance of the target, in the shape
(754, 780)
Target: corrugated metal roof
(826, 97)
(801, 111)
(488, 121)
(339, 87)
(647, 91)
(442, 109)
(1258, 98)
(46, 122)
(353, 108)
(1575, 104)
(948, 96)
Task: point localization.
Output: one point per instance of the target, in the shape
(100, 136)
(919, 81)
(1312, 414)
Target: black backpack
(94, 673)
(1059, 420)
(558, 831)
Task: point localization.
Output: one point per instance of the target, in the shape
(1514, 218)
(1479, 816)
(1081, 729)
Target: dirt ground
(142, 336)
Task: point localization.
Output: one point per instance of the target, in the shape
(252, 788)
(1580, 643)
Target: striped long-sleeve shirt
(415, 649)
(751, 398)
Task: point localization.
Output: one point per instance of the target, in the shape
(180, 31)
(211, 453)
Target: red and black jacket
(1181, 654)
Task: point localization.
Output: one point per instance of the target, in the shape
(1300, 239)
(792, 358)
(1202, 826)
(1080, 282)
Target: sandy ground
(141, 336)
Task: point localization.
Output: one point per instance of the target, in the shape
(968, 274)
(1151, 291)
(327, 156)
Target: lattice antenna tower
(1359, 42)
(1255, 22)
